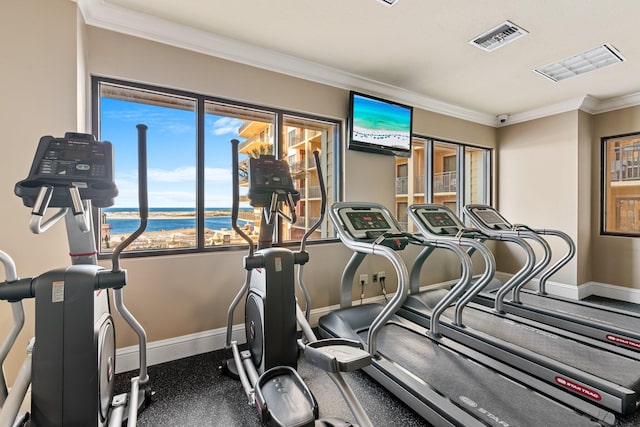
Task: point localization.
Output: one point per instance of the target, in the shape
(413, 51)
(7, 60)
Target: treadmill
(603, 374)
(607, 324)
(443, 381)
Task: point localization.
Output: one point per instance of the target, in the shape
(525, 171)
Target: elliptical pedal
(337, 355)
(280, 392)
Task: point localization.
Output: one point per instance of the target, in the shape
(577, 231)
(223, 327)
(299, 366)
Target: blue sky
(171, 147)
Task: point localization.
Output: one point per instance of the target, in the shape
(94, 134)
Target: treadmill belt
(492, 398)
(583, 312)
(609, 366)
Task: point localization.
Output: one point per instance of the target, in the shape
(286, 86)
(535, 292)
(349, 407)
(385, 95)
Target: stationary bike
(267, 370)
(70, 364)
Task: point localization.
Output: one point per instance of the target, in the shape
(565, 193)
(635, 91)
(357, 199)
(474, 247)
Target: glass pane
(303, 136)
(445, 179)
(410, 182)
(476, 175)
(255, 131)
(622, 185)
(171, 167)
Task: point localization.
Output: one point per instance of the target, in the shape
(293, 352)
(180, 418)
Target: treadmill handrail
(561, 262)
(525, 273)
(364, 248)
(458, 290)
(458, 240)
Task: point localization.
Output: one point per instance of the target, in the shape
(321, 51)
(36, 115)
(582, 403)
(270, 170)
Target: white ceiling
(417, 51)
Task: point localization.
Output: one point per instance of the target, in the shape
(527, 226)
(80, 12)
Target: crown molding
(100, 14)
(618, 103)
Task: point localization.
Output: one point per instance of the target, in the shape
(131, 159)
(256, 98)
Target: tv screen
(379, 126)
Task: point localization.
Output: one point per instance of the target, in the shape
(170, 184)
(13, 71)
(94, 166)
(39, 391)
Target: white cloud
(227, 125)
(217, 175)
(181, 174)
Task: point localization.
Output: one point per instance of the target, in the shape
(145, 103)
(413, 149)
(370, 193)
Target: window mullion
(428, 168)
(460, 175)
(200, 174)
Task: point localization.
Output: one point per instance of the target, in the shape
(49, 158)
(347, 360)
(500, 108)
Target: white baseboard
(606, 290)
(127, 358)
(203, 342)
(200, 342)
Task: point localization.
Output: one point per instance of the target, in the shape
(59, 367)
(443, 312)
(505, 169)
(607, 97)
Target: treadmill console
(367, 223)
(439, 221)
(268, 175)
(77, 160)
(490, 218)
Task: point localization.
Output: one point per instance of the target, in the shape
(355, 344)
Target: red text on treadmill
(578, 388)
(623, 341)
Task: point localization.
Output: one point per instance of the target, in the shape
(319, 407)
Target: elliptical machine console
(71, 365)
(75, 160)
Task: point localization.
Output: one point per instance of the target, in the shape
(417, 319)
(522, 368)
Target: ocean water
(373, 115)
(128, 225)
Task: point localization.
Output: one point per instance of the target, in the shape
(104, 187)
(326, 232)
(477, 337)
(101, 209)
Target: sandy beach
(176, 238)
(386, 137)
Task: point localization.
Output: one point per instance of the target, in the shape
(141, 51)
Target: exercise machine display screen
(439, 219)
(268, 175)
(367, 223)
(439, 222)
(77, 159)
(492, 219)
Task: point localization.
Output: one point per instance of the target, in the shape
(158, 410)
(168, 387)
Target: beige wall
(47, 83)
(538, 181)
(615, 259)
(39, 97)
(549, 176)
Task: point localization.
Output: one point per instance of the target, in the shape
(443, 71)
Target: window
(620, 208)
(441, 172)
(189, 166)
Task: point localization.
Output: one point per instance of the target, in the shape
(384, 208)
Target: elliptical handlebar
(235, 205)
(39, 209)
(314, 227)
(143, 201)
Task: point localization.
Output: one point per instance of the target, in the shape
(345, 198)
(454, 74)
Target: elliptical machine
(267, 370)
(70, 364)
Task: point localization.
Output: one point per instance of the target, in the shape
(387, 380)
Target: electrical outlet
(374, 277)
(381, 275)
(364, 278)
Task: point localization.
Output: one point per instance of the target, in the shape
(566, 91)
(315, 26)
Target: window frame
(201, 100)
(427, 143)
(605, 184)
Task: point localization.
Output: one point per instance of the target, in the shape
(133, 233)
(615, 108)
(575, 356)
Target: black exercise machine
(267, 370)
(70, 364)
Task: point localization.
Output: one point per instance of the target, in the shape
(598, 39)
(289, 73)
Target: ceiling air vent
(498, 36)
(591, 60)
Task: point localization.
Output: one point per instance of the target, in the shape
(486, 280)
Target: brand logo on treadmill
(473, 404)
(623, 341)
(468, 401)
(577, 388)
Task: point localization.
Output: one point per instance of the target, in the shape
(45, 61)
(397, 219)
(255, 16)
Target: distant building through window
(620, 209)
(444, 173)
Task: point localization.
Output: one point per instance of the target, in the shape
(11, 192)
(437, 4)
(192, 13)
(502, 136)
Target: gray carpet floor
(195, 392)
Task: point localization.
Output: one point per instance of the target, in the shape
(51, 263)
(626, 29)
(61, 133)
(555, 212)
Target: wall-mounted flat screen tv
(379, 126)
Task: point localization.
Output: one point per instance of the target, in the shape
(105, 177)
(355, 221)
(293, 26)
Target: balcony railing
(313, 193)
(418, 184)
(445, 182)
(301, 221)
(305, 135)
(402, 185)
(626, 167)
